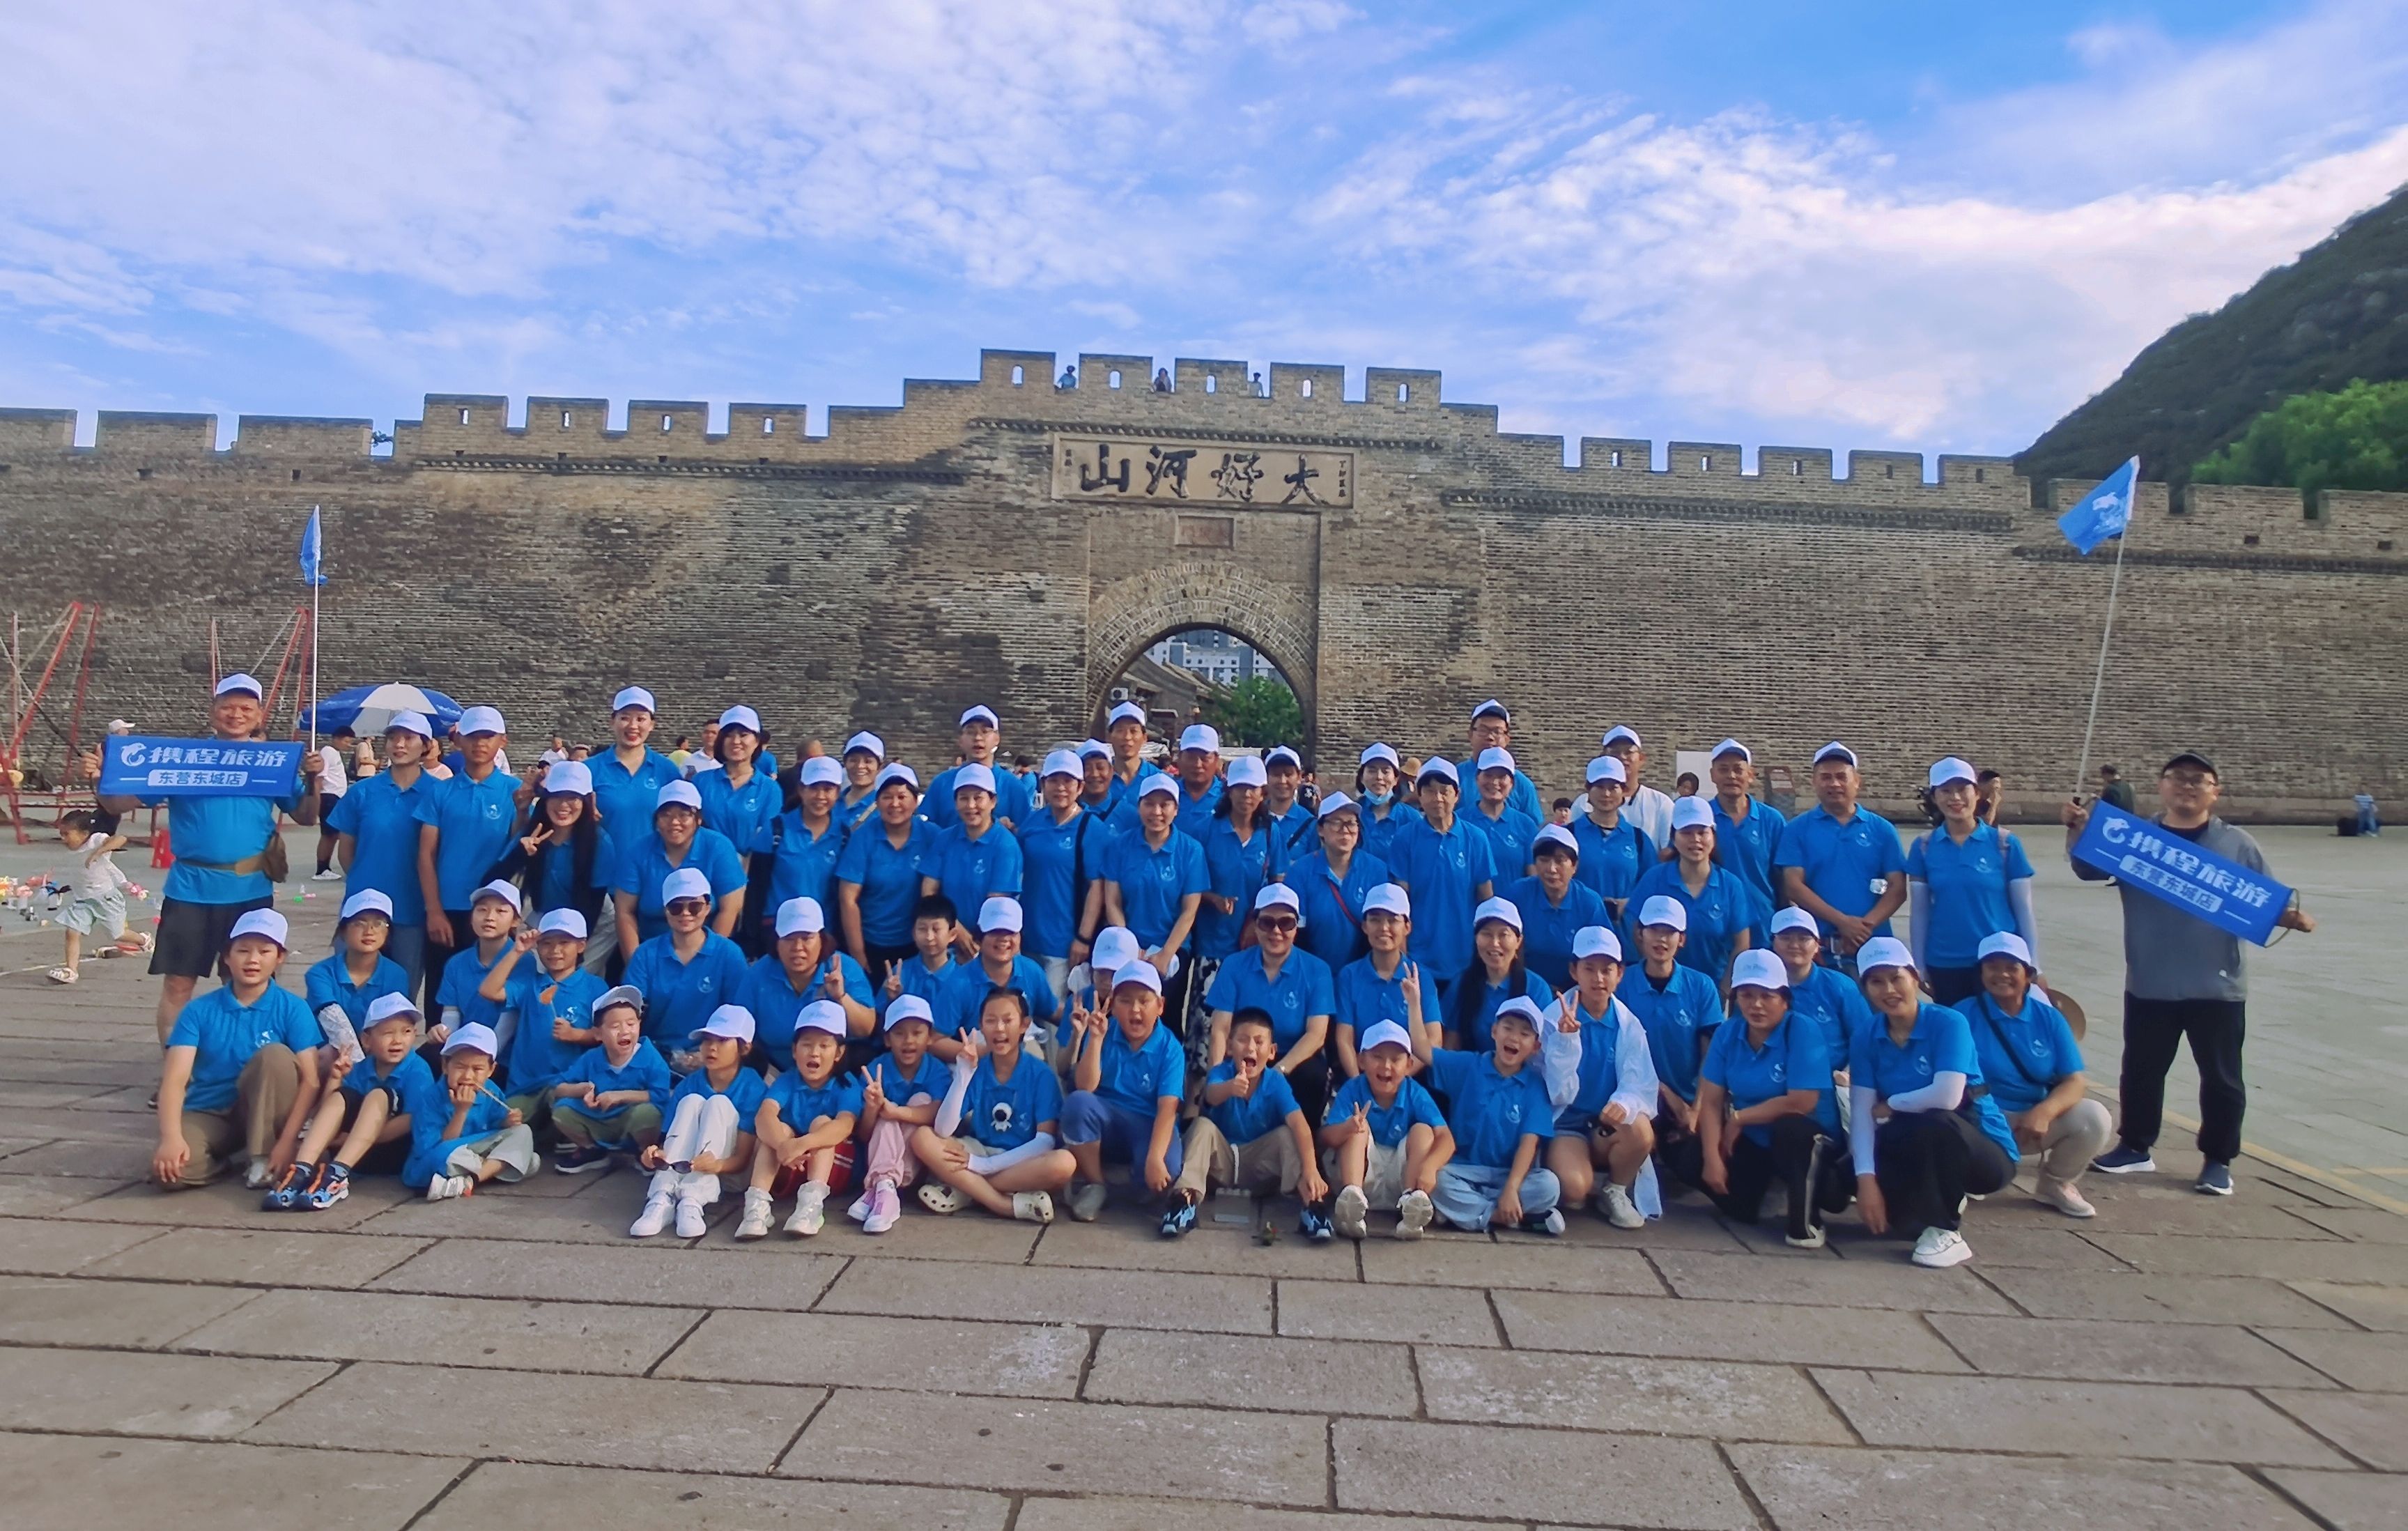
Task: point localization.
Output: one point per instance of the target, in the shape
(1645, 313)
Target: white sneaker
(1415, 1211)
(859, 1210)
(1349, 1213)
(445, 1187)
(692, 1221)
(1553, 1224)
(2062, 1195)
(655, 1217)
(1615, 1205)
(1940, 1247)
(259, 1177)
(811, 1211)
(329, 875)
(1087, 1201)
(885, 1210)
(754, 1224)
(1032, 1206)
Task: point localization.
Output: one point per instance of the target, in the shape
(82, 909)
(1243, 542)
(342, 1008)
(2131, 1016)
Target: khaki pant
(605, 1132)
(263, 1099)
(1269, 1163)
(2073, 1139)
(1383, 1174)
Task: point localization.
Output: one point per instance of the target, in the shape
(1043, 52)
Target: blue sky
(1934, 227)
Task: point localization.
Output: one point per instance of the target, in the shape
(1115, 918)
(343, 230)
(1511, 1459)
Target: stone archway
(1129, 616)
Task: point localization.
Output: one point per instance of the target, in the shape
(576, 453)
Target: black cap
(2188, 757)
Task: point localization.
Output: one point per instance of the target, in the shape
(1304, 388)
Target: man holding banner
(223, 794)
(2193, 887)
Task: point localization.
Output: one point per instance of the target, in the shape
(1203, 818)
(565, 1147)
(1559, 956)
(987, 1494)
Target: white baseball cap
(411, 723)
(562, 923)
(1278, 752)
(1791, 917)
(1388, 898)
(507, 892)
(1442, 769)
(1759, 970)
(819, 1015)
(1125, 712)
(1883, 951)
(684, 882)
(1490, 707)
(1202, 736)
(1835, 750)
(1380, 752)
(1595, 941)
(888, 775)
(1692, 813)
(1138, 972)
(1524, 1009)
(980, 714)
(1606, 768)
(1732, 747)
(479, 720)
(633, 697)
(741, 716)
(367, 901)
(1115, 948)
(239, 683)
(1062, 763)
(1664, 910)
(1622, 734)
(1161, 783)
(268, 923)
(475, 1037)
(1246, 771)
(735, 1022)
(567, 778)
(974, 775)
(820, 771)
(624, 994)
(800, 917)
(904, 1007)
(1000, 913)
(2004, 943)
(1496, 908)
(385, 1007)
(1496, 760)
(677, 795)
(1949, 768)
(1336, 802)
(1093, 749)
(1554, 837)
(1383, 1034)
(1279, 895)
(868, 741)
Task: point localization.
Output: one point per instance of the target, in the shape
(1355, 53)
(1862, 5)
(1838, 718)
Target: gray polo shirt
(2171, 954)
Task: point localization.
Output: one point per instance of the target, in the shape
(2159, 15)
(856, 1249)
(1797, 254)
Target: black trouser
(439, 957)
(883, 959)
(1950, 984)
(2153, 1029)
(1928, 1162)
(1310, 1080)
(1813, 1167)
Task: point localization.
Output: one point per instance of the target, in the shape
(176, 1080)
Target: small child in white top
(95, 897)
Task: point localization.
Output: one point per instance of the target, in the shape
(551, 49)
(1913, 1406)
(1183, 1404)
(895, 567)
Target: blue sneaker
(286, 1194)
(333, 1184)
(2215, 1180)
(2123, 1159)
(1315, 1226)
(1181, 1217)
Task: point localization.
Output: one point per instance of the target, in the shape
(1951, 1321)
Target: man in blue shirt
(1841, 862)
(220, 845)
(1492, 728)
(1747, 833)
(1200, 780)
(1448, 867)
(1125, 727)
(982, 736)
(465, 824)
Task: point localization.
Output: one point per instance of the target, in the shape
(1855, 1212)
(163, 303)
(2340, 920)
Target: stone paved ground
(515, 1360)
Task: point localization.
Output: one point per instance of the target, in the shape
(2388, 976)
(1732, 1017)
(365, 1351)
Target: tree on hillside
(1260, 711)
(2356, 438)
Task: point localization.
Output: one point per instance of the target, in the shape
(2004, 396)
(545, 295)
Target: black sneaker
(2215, 1180)
(576, 1159)
(1315, 1226)
(2123, 1159)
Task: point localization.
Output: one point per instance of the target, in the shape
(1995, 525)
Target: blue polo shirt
(969, 871)
(851, 812)
(1304, 988)
(1333, 906)
(745, 1091)
(1056, 862)
(626, 797)
(1746, 846)
(681, 996)
(964, 991)
(475, 822)
(922, 981)
(1548, 929)
(745, 813)
(1292, 836)
(1968, 890)
(1940, 1042)
(382, 818)
(410, 1080)
(1837, 1007)
(1005, 1113)
(431, 1139)
(557, 888)
(1153, 882)
(1792, 1058)
(1379, 829)
(801, 1103)
(1677, 1015)
(1717, 916)
(1509, 835)
(932, 1078)
(1136, 1079)
(224, 1033)
(1364, 998)
(1523, 799)
(1846, 865)
(1119, 797)
(1237, 869)
(226, 830)
(644, 865)
(802, 868)
(1600, 1065)
(2022, 1056)
(1011, 798)
(1243, 1119)
(645, 1069)
(1196, 813)
(1491, 1113)
(538, 1060)
(1389, 1123)
(329, 982)
(1612, 861)
(888, 877)
(775, 1002)
(1483, 1017)
(1442, 872)
(461, 977)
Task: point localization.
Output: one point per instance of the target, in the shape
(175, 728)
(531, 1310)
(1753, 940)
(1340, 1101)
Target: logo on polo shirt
(493, 811)
(999, 1119)
(1780, 1073)
(1513, 1113)
(2038, 1046)
(266, 1037)
(1923, 1062)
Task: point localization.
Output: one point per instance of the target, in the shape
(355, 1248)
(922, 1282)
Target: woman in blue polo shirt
(1284, 812)
(563, 858)
(1332, 880)
(687, 971)
(1154, 880)
(856, 803)
(742, 801)
(1237, 851)
(1766, 1110)
(1615, 853)
(1384, 811)
(1966, 880)
(805, 839)
(1448, 867)
(2034, 1068)
(1556, 905)
(1295, 988)
(1061, 859)
(878, 875)
(1821, 995)
(1927, 1134)
(378, 824)
(1381, 985)
(1722, 912)
(1496, 974)
(677, 839)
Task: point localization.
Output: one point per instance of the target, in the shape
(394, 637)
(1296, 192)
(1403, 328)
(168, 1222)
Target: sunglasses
(687, 906)
(1279, 925)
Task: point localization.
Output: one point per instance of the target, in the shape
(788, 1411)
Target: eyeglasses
(1283, 926)
(687, 906)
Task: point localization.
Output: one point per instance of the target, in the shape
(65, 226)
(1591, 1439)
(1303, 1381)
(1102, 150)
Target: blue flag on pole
(313, 575)
(2102, 513)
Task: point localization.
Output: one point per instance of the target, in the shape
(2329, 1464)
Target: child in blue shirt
(479, 1137)
(711, 1118)
(553, 1007)
(612, 1097)
(1383, 1140)
(369, 1109)
(342, 986)
(1766, 1111)
(803, 1129)
(996, 1134)
(1251, 1134)
(241, 1069)
(493, 914)
(1131, 1075)
(931, 968)
(1499, 1110)
(899, 1092)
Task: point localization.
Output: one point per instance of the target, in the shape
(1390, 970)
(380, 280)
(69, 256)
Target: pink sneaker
(885, 1208)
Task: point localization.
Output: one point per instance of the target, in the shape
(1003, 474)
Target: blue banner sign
(139, 766)
(2198, 881)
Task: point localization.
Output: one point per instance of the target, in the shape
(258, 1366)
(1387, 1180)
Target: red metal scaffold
(13, 774)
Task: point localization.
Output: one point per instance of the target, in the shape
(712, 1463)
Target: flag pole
(319, 580)
(2107, 633)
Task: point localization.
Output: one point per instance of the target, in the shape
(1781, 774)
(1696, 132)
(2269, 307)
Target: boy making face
(1386, 1139)
(1251, 1134)
(804, 1130)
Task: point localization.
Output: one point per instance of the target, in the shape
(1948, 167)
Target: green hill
(2338, 312)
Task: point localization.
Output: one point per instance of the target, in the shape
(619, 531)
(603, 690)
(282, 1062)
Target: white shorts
(1383, 1174)
(84, 915)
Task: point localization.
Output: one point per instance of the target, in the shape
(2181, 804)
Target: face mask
(1378, 799)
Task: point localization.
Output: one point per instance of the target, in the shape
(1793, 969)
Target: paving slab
(1891, 1283)
(2352, 1501)
(933, 1355)
(597, 1218)
(1722, 1331)
(532, 1416)
(100, 1073)
(1804, 1487)
(2363, 1225)
(74, 1483)
(1530, 1268)
(781, 1276)
(1113, 1298)
(37, 1247)
(2053, 1247)
(225, 1203)
(569, 1336)
(1119, 1245)
(2070, 1418)
(2370, 1426)
(256, 1257)
(1719, 1400)
(2375, 1307)
(136, 1393)
(1015, 1445)
(2160, 1299)
(15, 1097)
(2368, 1362)
(1244, 1372)
(2109, 1351)
(67, 1122)
(529, 1497)
(130, 1315)
(39, 1195)
(1688, 1223)
(1564, 1477)
(89, 1158)
(924, 1235)
(1438, 1315)
(1097, 1514)
(2186, 1211)
(2303, 1260)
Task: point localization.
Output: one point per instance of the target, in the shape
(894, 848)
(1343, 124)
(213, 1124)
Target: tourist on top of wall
(865, 756)
(1384, 811)
(1643, 805)
(1723, 920)
(676, 839)
(2183, 978)
(981, 738)
(1556, 906)
(378, 822)
(1842, 862)
(1615, 853)
(1968, 881)
(1331, 881)
(1492, 728)
(1747, 833)
(878, 875)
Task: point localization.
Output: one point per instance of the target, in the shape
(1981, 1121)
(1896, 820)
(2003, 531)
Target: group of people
(1422, 998)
